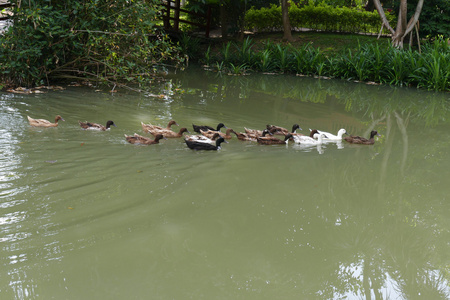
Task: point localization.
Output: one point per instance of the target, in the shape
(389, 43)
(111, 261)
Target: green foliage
(111, 41)
(316, 17)
(190, 46)
(433, 71)
(264, 19)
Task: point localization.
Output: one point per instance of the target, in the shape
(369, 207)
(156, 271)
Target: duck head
(110, 123)
(221, 125)
(295, 127)
(374, 133)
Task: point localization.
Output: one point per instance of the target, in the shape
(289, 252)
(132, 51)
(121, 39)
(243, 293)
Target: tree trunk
(223, 21)
(285, 18)
(403, 28)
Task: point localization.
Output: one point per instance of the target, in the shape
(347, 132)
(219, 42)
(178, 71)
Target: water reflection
(83, 209)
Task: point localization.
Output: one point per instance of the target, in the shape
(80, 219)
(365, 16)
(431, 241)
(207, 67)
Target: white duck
(330, 136)
(306, 140)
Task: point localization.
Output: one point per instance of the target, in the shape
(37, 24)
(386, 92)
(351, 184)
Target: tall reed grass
(429, 69)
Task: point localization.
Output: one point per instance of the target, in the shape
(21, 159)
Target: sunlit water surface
(85, 215)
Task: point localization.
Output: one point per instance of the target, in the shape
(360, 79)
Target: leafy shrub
(110, 41)
(316, 17)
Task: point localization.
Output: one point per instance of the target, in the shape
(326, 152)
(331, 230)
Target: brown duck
(142, 140)
(250, 136)
(168, 133)
(282, 131)
(43, 122)
(270, 140)
(148, 127)
(361, 140)
(211, 133)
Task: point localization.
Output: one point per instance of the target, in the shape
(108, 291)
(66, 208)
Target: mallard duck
(205, 146)
(211, 133)
(95, 126)
(139, 139)
(250, 136)
(202, 138)
(282, 131)
(169, 133)
(308, 140)
(270, 140)
(148, 127)
(43, 122)
(197, 128)
(360, 140)
(332, 137)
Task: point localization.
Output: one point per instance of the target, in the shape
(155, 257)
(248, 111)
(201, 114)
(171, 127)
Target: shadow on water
(85, 215)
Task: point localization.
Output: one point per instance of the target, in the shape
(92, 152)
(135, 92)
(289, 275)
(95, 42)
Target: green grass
(326, 42)
(345, 56)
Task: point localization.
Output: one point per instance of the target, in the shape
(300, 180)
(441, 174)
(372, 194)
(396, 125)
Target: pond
(86, 215)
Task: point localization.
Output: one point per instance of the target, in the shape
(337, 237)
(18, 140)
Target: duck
(308, 140)
(253, 132)
(361, 140)
(250, 136)
(282, 131)
(195, 145)
(142, 140)
(197, 128)
(148, 127)
(94, 126)
(270, 140)
(332, 137)
(256, 132)
(202, 138)
(43, 122)
(168, 133)
(211, 133)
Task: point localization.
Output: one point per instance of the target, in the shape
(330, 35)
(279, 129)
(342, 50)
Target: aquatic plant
(264, 62)
(281, 58)
(245, 55)
(226, 53)
(238, 69)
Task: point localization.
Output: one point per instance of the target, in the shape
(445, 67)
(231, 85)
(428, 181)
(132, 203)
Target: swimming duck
(95, 126)
(197, 128)
(270, 140)
(202, 138)
(332, 137)
(148, 127)
(360, 140)
(250, 136)
(194, 145)
(282, 131)
(211, 133)
(139, 139)
(253, 132)
(168, 133)
(308, 140)
(43, 122)
(256, 132)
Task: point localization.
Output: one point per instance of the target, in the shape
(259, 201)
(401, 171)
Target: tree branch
(414, 18)
(383, 16)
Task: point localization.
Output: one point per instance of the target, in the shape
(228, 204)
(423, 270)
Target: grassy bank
(350, 57)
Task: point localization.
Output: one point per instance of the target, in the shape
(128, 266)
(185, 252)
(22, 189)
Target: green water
(85, 215)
